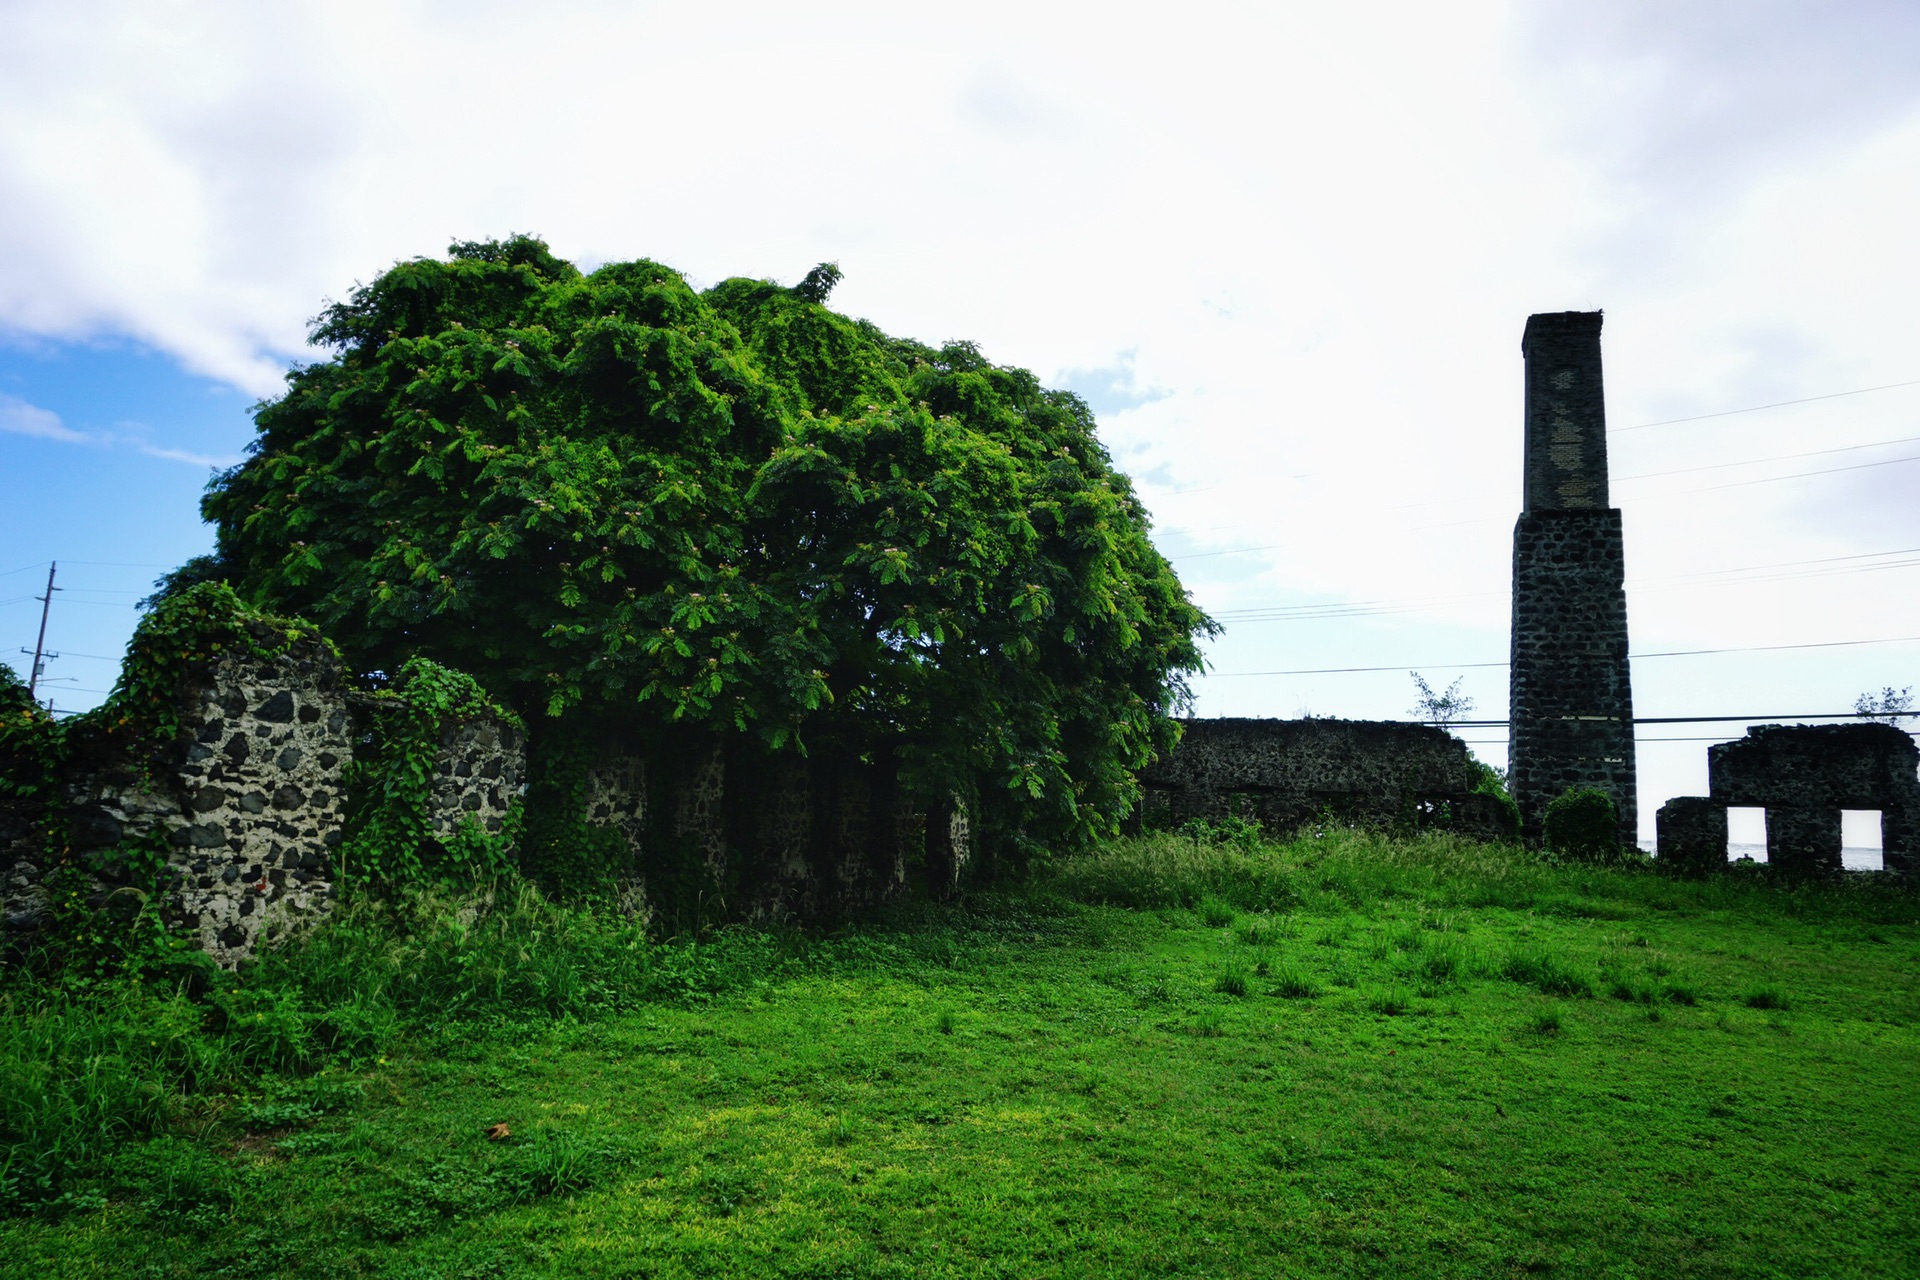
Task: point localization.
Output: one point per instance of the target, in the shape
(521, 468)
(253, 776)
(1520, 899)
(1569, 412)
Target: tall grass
(83, 1072)
(1331, 870)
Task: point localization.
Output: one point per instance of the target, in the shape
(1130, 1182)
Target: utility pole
(40, 654)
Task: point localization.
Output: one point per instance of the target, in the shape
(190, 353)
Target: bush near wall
(1582, 825)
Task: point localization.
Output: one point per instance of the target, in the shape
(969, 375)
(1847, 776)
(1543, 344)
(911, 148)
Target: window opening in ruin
(1746, 834)
(1860, 840)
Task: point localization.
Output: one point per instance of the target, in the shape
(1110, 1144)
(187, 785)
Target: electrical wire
(1778, 404)
(1754, 462)
(1801, 475)
(1689, 581)
(1466, 666)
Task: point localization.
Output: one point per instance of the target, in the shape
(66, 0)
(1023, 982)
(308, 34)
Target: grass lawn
(1347, 1057)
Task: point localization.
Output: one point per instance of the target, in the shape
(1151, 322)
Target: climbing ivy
(32, 749)
(178, 643)
(389, 839)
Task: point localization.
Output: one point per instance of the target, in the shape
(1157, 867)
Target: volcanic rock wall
(248, 803)
(1803, 776)
(1285, 773)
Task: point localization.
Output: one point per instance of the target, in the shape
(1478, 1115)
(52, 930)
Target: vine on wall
(175, 647)
(390, 839)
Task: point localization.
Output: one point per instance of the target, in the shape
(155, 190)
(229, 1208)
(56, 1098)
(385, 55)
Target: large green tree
(613, 496)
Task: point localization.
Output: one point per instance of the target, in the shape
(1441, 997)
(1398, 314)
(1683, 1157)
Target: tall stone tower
(1572, 692)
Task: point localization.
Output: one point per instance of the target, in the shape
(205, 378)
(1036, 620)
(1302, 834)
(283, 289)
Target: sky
(1286, 251)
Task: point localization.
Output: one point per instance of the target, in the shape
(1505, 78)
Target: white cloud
(19, 418)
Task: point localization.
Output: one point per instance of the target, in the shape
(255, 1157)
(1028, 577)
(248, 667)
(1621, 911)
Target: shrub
(1583, 826)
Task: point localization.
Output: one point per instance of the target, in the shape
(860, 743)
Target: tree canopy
(612, 495)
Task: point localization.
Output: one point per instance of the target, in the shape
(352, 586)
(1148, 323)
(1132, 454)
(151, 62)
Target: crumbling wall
(250, 805)
(478, 774)
(1691, 835)
(1285, 773)
(1803, 776)
(249, 802)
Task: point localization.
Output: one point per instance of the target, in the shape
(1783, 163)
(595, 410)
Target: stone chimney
(1571, 687)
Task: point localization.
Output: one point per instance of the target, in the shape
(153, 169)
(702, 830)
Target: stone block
(1692, 835)
(1803, 840)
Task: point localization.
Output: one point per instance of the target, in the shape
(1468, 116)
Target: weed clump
(1214, 913)
(1545, 973)
(1295, 985)
(1231, 982)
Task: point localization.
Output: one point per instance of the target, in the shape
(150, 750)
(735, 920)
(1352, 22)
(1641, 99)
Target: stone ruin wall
(1286, 773)
(250, 804)
(1803, 776)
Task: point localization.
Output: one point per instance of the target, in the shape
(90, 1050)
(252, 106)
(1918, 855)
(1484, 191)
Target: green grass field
(1344, 1056)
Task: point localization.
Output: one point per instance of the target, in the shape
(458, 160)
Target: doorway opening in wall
(1746, 834)
(1861, 847)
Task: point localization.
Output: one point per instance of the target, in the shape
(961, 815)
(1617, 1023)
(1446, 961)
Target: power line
(1640, 720)
(1466, 666)
(1782, 457)
(1778, 404)
(1801, 475)
(1361, 608)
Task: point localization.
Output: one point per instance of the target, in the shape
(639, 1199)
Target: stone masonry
(1285, 773)
(249, 802)
(1803, 776)
(1570, 683)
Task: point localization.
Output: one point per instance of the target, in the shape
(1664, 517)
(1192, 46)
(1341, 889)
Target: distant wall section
(1285, 773)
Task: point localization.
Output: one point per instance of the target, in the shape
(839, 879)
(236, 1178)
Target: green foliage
(1230, 980)
(1583, 826)
(1233, 831)
(1548, 973)
(1168, 870)
(1491, 782)
(389, 841)
(175, 582)
(32, 749)
(176, 644)
(610, 495)
(562, 851)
